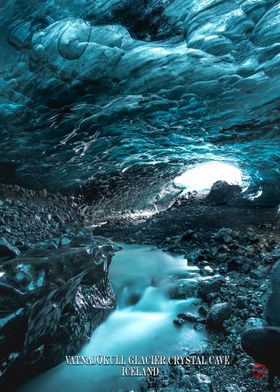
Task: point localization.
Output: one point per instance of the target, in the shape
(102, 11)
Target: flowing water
(141, 325)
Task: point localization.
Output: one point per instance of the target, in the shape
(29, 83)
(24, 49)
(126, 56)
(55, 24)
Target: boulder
(222, 193)
(271, 312)
(217, 314)
(253, 322)
(51, 301)
(209, 286)
(225, 235)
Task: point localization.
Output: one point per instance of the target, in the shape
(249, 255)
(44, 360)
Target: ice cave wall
(92, 90)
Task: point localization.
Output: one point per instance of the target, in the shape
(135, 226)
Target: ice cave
(139, 195)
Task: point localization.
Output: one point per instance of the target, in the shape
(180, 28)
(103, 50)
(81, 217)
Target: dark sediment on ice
(54, 285)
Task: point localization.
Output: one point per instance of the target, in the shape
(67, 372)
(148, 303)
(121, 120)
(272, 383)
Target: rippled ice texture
(126, 89)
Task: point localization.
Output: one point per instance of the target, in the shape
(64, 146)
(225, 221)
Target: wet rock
(217, 314)
(271, 313)
(260, 272)
(223, 193)
(182, 290)
(178, 322)
(254, 322)
(225, 235)
(53, 300)
(206, 287)
(8, 250)
(188, 317)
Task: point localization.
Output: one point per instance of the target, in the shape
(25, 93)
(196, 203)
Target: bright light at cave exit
(202, 177)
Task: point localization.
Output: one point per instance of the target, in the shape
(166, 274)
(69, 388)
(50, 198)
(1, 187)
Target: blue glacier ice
(135, 93)
(135, 109)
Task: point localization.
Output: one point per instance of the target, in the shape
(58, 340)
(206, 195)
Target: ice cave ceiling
(134, 92)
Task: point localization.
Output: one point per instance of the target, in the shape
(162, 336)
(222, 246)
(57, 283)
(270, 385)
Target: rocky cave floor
(239, 244)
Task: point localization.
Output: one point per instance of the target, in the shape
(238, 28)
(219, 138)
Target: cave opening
(201, 177)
